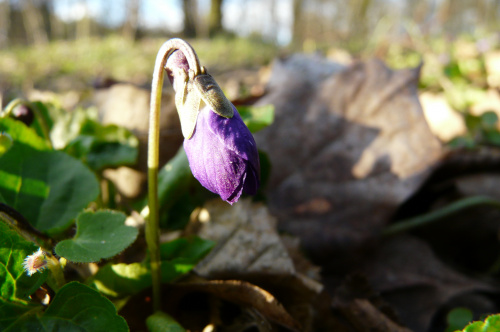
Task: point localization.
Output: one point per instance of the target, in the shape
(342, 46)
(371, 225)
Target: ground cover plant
(47, 192)
(402, 224)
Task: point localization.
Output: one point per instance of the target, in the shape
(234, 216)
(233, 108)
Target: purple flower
(223, 155)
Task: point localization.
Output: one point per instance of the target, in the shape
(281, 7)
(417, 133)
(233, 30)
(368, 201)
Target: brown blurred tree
(297, 32)
(132, 20)
(215, 18)
(190, 17)
(4, 23)
(33, 23)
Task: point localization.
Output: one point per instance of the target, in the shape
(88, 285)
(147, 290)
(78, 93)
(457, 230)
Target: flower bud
(223, 155)
(24, 114)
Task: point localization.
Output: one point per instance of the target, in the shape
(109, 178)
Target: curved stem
(10, 107)
(421, 220)
(152, 225)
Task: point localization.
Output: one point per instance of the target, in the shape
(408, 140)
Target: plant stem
(10, 107)
(424, 219)
(152, 225)
(56, 270)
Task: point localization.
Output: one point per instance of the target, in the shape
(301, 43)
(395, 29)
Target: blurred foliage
(60, 65)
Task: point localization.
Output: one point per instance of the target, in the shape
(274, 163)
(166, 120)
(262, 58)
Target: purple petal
(223, 155)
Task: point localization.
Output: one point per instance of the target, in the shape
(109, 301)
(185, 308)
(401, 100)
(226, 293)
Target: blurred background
(44, 40)
(381, 161)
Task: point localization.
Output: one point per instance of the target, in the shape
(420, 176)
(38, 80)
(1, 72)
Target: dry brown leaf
(247, 295)
(347, 147)
(247, 241)
(410, 277)
(249, 248)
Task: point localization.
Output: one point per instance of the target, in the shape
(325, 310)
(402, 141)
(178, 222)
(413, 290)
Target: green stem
(152, 225)
(56, 270)
(10, 107)
(424, 219)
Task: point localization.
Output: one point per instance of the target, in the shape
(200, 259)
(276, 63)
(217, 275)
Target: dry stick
(152, 225)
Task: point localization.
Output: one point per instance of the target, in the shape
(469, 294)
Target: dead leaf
(409, 276)
(364, 308)
(347, 147)
(249, 248)
(247, 295)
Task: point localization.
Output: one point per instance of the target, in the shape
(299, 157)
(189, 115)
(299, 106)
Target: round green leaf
(490, 324)
(99, 235)
(75, 307)
(49, 188)
(160, 321)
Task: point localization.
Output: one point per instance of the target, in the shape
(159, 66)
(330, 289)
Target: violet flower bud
(223, 155)
(221, 151)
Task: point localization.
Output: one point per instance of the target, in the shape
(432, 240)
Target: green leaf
(19, 132)
(257, 117)
(99, 235)
(178, 258)
(15, 284)
(193, 248)
(462, 142)
(104, 146)
(68, 125)
(48, 187)
(458, 318)
(161, 322)
(43, 116)
(119, 280)
(174, 179)
(178, 193)
(75, 307)
(12, 311)
(489, 119)
(491, 324)
(5, 143)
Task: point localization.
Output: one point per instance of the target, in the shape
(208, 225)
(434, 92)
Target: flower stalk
(221, 151)
(153, 224)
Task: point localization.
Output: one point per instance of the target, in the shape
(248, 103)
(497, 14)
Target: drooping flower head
(223, 155)
(221, 150)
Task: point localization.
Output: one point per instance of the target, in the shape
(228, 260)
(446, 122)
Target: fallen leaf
(347, 147)
(412, 279)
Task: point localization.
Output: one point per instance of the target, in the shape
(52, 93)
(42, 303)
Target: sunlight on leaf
(48, 187)
(490, 324)
(257, 117)
(99, 235)
(118, 280)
